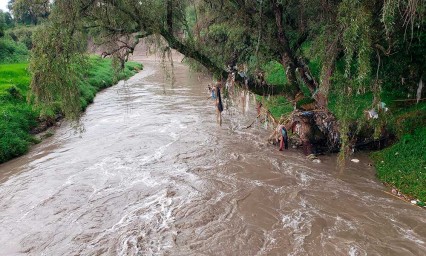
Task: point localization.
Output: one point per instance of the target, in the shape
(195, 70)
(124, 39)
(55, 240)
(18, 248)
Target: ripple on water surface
(154, 175)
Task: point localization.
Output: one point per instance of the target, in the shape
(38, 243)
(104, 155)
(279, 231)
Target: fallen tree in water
(322, 129)
(319, 128)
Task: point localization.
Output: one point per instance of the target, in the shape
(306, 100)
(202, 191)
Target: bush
(274, 74)
(277, 105)
(12, 52)
(23, 35)
(16, 122)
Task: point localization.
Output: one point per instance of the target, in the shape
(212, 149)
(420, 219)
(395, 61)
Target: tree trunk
(193, 53)
(186, 50)
(287, 57)
(291, 64)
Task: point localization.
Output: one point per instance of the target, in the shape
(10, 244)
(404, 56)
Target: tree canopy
(2, 23)
(344, 47)
(29, 11)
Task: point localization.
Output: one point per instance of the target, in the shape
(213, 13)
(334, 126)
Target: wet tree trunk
(292, 65)
(186, 50)
(287, 57)
(322, 117)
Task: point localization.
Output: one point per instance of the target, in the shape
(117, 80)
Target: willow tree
(116, 24)
(58, 59)
(29, 11)
(355, 44)
(2, 23)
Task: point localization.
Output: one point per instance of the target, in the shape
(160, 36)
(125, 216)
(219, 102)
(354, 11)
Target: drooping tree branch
(291, 63)
(188, 51)
(170, 16)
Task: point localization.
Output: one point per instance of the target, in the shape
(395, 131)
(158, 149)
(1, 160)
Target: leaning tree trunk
(321, 117)
(187, 50)
(287, 57)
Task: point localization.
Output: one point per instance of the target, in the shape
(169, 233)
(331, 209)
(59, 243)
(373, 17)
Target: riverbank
(154, 167)
(20, 117)
(402, 165)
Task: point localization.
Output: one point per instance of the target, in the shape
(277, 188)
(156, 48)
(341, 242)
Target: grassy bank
(18, 117)
(403, 165)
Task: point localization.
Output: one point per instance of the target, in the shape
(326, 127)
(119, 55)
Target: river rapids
(153, 174)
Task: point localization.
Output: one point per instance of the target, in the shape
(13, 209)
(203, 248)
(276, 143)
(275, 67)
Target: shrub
(12, 52)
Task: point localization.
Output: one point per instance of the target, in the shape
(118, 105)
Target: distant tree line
(29, 12)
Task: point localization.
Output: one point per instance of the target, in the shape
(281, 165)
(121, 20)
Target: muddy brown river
(153, 174)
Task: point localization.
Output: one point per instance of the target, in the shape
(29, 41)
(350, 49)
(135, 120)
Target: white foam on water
(344, 224)
(356, 251)
(270, 242)
(146, 228)
(410, 235)
(275, 163)
(299, 222)
(305, 179)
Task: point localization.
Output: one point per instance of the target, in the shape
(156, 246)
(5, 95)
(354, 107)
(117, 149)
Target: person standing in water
(219, 105)
(212, 91)
(282, 131)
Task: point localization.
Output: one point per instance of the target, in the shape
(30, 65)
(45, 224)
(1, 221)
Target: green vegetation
(29, 11)
(12, 52)
(275, 75)
(403, 165)
(19, 117)
(22, 34)
(277, 105)
(406, 120)
(17, 120)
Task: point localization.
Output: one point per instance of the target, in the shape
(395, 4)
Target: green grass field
(18, 117)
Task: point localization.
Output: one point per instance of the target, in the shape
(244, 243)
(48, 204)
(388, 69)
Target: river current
(153, 174)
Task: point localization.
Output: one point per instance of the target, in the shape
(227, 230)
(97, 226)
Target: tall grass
(17, 117)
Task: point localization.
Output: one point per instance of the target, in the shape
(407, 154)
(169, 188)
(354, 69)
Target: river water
(153, 174)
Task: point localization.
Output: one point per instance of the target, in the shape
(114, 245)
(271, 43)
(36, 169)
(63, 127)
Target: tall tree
(2, 23)
(343, 47)
(29, 11)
